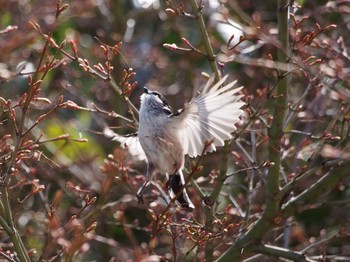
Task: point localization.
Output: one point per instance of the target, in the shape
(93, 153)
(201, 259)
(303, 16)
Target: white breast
(160, 140)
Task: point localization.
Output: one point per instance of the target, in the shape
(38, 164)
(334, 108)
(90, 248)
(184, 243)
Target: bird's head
(153, 100)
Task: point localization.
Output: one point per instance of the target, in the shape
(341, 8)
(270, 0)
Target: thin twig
(210, 53)
(282, 252)
(272, 198)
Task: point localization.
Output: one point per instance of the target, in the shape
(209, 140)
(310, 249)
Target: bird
(165, 137)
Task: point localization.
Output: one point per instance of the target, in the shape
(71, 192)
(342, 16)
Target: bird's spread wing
(210, 116)
(130, 142)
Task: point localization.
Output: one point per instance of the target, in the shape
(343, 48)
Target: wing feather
(210, 116)
(130, 142)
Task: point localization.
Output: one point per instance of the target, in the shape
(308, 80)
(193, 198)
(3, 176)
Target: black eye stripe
(160, 97)
(156, 93)
(164, 101)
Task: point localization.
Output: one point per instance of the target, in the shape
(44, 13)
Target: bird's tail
(174, 184)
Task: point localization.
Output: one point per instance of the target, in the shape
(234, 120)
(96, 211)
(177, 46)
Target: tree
(74, 73)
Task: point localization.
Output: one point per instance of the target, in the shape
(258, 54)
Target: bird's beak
(145, 90)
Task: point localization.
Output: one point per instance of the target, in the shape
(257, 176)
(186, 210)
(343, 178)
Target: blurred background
(85, 163)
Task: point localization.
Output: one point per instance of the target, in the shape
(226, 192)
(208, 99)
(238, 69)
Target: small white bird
(166, 137)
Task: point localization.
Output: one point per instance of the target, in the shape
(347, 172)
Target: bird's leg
(140, 192)
(150, 171)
